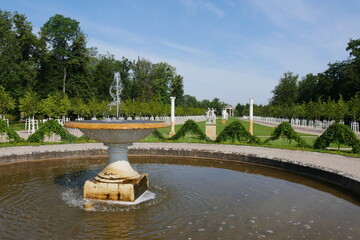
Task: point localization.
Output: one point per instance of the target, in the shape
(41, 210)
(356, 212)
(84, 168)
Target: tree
(354, 107)
(103, 74)
(79, 107)
(341, 109)
(331, 109)
(352, 70)
(217, 105)
(239, 109)
(286, 91)
(7, 103)
(190, 101)
(19, 54)
(307, 88)
(97, 107)
(61, 34)
(30, 104)
(56, 105)
(177, 89)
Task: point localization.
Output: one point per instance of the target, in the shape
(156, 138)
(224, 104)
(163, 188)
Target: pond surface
(193, 200)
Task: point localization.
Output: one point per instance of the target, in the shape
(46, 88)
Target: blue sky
(230, 49)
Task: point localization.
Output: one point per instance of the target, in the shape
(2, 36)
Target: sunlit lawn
(263, 132)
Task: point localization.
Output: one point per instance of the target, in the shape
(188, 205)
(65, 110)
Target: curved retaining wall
(350, 184)
(339, 178)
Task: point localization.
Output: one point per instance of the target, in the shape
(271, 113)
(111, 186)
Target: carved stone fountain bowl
(126, 131)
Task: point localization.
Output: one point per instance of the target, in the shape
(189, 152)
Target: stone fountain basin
(126, 131)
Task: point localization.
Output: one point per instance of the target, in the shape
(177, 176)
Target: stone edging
(341, 179)
(347, 182)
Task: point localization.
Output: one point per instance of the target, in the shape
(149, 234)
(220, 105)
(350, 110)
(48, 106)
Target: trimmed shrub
(158, 135)
(11, 134)
(48, 128)
(285, 130)
(190, 126)
(340, 134)
(236, 131)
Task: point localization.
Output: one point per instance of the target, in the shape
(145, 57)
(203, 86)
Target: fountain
(212, 198)
(118, 180)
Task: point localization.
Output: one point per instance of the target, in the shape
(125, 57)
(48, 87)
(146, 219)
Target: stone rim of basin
(127, 124)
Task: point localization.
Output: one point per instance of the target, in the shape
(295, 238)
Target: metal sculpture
(115, 91)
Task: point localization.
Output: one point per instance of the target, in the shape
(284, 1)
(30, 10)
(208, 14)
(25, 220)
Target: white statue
(224, 114)
(213, 116)
(208, 115)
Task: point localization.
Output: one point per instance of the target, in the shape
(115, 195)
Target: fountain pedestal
(118, 180)
(128, 190)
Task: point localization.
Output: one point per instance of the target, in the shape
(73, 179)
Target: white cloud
(285, 12)
(184, 48)
(114, 32)
(196, 5)
(212, 8)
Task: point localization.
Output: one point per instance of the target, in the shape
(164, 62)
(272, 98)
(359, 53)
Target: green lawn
(263, 132)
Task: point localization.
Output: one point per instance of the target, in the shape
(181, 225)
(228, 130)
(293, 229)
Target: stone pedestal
(128, 190)
(117, 181)
(172, 130)
(210, 130)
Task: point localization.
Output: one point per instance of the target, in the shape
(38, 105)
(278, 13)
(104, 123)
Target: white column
(33, 125)
(172, 121)
(251, 115)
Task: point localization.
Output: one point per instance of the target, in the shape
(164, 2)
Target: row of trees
(342, 78)
(58, 104)
(330, 110)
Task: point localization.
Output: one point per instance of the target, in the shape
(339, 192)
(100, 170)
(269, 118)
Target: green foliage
(30, 103)
(79, 107)
(48, 128)
(159, 135)
(285, 92)
(339, 134)
(18, 51)
(354, 107)
(190, 126)
(12, 135)
(236, 131)
(97, 107)
(56, 104)
(7, 103)
(286, 131)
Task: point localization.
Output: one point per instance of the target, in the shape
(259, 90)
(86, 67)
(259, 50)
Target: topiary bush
(340, 134)
(158, 135)
(190, 126)
(285, 130)
(11, 134)
(48, 128)
(236, 131)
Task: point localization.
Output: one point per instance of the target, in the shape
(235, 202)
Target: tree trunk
(64, 79)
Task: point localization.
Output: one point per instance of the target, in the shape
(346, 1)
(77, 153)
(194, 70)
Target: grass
(263, 132)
